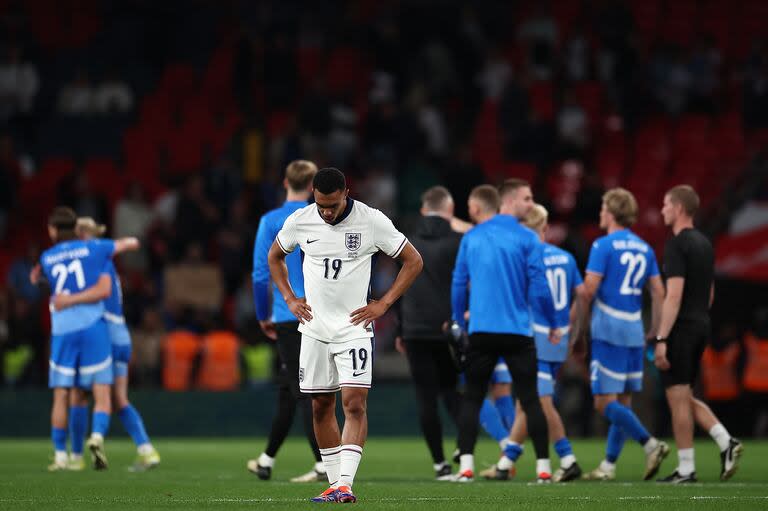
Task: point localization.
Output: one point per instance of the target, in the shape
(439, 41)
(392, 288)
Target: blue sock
(513, 451)
(626, 419)
(563, 447)
(491, 421)
(59, 438)
(506, 407)
(78, 427)
(616, 439)
(100, 423)
(134, 425)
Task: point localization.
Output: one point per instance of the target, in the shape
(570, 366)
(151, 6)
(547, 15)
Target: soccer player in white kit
(339, 236)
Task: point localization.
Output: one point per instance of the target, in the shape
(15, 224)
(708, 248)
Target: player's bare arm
(96, 293)
(128, 244)
(669, 311)
(279, 272)
(591, 285)
(656, 288)
(577, 316)
(412, 265)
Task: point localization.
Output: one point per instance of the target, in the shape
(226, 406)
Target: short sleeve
(385, 237)
(598, 257)
(286, 238)
(674, 259)
(105, 249)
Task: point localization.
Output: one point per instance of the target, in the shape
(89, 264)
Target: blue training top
(269, 225)
(625, 263)
(502, 262)
(71, 267)
(563, 277)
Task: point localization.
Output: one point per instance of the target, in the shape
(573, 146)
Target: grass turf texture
(395, 473)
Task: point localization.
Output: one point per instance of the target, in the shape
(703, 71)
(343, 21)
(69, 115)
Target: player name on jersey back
(338, 264)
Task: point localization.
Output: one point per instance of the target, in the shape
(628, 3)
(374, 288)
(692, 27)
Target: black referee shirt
(690, 255)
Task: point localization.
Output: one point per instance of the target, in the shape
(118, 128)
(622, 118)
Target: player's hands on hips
(660, 356)
(555, 335)
(300, 308)
(374, 310)
(268, 327)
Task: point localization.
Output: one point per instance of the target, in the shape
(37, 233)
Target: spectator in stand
(223, 182)
(495, 76)
(704, 68)
(19, 284)
(76, 98)
(196, 216)
(75, 190)
(233, 240)
(133, 217)
(19, 83)
(539, 33)
(147, 339)
(577, 55)
(113, 95)
(572, 127)
(25, 351)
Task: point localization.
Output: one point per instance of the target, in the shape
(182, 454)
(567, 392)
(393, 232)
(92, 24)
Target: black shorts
(288, 345)
(685, 345)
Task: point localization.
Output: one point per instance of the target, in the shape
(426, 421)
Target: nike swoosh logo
(358, 374)
(308, 241)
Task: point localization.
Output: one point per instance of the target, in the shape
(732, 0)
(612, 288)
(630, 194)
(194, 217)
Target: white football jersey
(337, 264)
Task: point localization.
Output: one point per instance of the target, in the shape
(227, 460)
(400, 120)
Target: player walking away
(567, 290)
(620, 265)
(339, 236)
(280, 325)
(501, 261)
(81, 355)
(683, 333)
(147, 457)
(424, 309)
(498, 412)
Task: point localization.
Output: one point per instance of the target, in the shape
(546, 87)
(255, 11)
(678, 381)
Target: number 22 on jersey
(636, 265)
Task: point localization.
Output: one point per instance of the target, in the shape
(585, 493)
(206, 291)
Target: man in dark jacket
(425, 309)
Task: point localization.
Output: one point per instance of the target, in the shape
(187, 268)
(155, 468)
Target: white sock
(466, 462)
(320, 467)
(266, 461)
(567, 460)
(543, 466)
(97, 436)
(350, 460)
(685, 465)
(721, 436)
(607, 466)
(650, 445)
(60, 457)
(505, 463)
(145, 449)
(331, 460)
(504, 442)
(75, 457)
(438, 466)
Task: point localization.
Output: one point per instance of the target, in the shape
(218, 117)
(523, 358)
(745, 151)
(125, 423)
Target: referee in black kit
(684, 330)
(424, 309)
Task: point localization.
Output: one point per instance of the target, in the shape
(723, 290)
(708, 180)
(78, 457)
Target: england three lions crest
(352, 240)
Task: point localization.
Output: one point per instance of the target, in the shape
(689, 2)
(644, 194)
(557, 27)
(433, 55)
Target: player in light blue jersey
(81, 355)
(120, 337)
(620, 266)
(567, 297)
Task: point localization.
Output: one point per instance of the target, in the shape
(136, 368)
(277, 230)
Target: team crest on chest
(352, 240)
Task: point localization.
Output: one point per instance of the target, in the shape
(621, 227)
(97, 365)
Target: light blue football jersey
(625, 263)
(71, 267)
(563, 277)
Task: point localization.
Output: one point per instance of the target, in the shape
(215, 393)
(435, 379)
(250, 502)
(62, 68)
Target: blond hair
(622, 205)
(536, 218)
(300, 174)
(87, 225)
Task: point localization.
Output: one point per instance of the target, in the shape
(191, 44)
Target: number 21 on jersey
(61, 271)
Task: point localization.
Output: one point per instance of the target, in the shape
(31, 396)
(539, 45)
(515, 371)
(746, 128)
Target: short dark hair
(488, 197)
(435, 198)
(512, 184)
(63, 219)
(329, 180)
(687, 197)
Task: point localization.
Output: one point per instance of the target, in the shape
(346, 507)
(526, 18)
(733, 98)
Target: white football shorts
(328, 366)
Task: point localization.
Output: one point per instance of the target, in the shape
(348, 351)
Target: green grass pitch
(395, 473)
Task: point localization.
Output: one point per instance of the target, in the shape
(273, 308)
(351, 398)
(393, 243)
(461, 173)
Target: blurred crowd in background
(173, 122)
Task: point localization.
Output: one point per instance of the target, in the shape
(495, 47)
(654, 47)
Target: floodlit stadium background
(174, 121)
